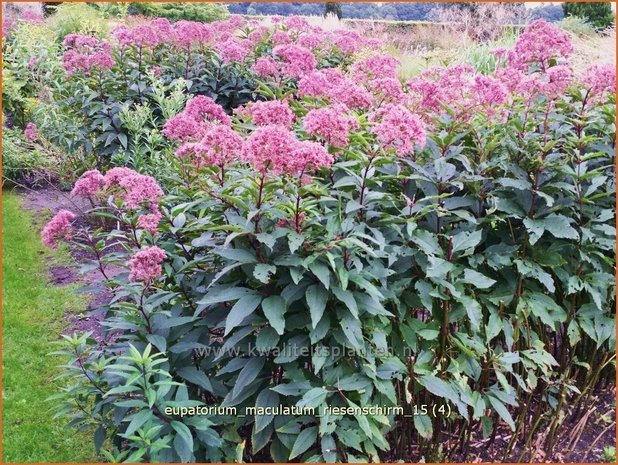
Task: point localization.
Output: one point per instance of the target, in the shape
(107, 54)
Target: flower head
(297, 60)
(90, 183)
(146, 264)
(400, 130)
(271, 112)
(332, 124)
(600, 79)
(59, 227)
(269, 149)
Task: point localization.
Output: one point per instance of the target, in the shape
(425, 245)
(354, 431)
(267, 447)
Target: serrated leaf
(304, 441)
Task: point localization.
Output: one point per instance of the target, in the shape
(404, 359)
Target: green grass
(32, 318)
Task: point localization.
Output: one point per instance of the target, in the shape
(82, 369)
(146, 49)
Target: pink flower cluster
(600, 79)
(89, 184)
(275, 149)
(375, 67)
(399, 129)
(271, 112)
(457, 87)
(296, 60)
(192, 123)
(136, 191)
(59, 227)
(31, 132)
(85, 54)
(332, 124)
(220, 146)
(234, 50)
(538, 45)
(145, 265)
(331, 84)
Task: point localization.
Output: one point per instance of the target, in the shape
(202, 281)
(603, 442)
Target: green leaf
(248, 374)
(266, 339)
(224, 294)
(238, 255)
(262, 272)
(304, 441)
(423, 425)
(473, 310)
(502, 411)
(477, 279)
(466, 240)
(321, 271)
(558, 225)
(197, 377)
(352, 329)
(274, 309)
(138, 420)
(242, 309)
(295, 240)
(347, 298)
(494, 326)
(438, 268)
(427, 241)
(183, 443)
(313, 398)
(439, 388)
(266, 398)
(329, 449)
(316, 297)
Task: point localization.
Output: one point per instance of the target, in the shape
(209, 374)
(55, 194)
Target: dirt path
(46, 202)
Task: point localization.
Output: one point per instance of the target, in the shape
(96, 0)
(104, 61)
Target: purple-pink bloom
(89, 183)
(146, 264)
(150, 221)
(332, 124)
(297, 60)
(271, 112)
(269, 149)
(400, 129)
(59, 227)
(31, 132)
(600, 79)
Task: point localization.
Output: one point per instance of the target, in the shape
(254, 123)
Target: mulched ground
(580, 440)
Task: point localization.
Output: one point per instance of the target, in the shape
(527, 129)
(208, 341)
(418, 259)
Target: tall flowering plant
(96, 79)
(446, 241)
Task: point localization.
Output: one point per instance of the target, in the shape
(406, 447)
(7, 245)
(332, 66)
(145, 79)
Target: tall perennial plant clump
(350, 241)
(91, 88)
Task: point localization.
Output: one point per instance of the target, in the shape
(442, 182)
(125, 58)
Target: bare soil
(46, 202)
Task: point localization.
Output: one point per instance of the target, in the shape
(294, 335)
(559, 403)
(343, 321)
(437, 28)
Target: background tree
(599, 14)
(49, 7)
(333, 8)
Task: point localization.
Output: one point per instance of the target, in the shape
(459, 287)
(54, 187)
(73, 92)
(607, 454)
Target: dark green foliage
(475, 276)
(599, 14)
(176, 11)
(333, 8)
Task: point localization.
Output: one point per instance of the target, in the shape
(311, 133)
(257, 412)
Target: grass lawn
(32, 318)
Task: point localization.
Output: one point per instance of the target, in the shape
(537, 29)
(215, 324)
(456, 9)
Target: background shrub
(77, 18)
(176, 11)
(22, 160)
